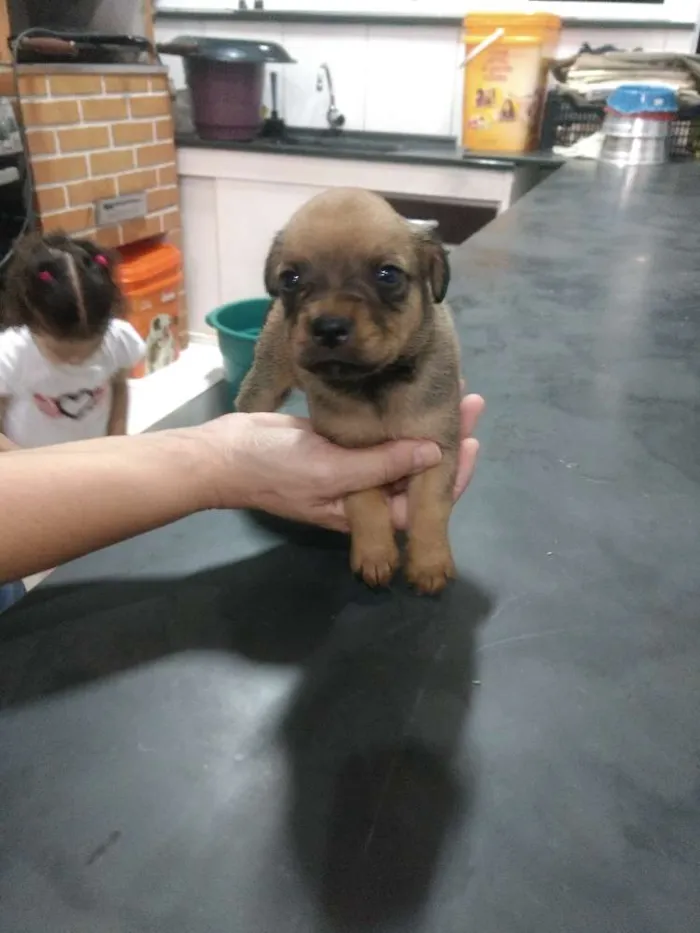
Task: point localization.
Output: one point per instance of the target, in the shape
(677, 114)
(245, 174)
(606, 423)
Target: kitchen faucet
(334, 118)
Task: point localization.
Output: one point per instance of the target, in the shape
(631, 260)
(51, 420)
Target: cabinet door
(199, 248)
(249, 214)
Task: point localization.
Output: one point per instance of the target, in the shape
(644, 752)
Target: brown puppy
(358, 323)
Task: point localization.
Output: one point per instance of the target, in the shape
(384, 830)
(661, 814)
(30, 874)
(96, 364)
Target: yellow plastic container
(505, 78)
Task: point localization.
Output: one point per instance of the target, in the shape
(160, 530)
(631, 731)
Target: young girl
(65, 358)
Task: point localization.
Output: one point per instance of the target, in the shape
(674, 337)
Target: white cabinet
(248, 217)
(233, 203)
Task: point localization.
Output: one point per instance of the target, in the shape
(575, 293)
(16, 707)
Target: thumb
(377, 466)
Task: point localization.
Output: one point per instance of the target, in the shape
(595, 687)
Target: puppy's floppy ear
(434, 265)
(272, 265)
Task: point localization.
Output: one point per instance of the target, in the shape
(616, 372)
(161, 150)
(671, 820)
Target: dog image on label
(358, 322)
(161, 348)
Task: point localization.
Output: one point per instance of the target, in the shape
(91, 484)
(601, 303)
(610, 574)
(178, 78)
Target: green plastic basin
(238, 327)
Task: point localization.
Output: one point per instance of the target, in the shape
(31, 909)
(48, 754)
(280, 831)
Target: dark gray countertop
(214, 728)
(377, 147)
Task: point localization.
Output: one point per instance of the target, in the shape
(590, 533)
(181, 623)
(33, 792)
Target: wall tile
(410, 78)
(679, 40)
(345, 51)
(166, 32)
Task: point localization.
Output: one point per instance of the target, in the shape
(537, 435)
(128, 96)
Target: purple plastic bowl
(226, 98)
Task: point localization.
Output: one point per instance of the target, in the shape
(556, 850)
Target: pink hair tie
(101, 259)
(46, 276)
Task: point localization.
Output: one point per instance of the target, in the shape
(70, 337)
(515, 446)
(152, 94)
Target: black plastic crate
(564, 122)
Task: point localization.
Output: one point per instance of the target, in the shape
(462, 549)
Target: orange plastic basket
(150, 277)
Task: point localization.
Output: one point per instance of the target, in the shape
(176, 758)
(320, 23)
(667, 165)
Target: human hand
(278, 464)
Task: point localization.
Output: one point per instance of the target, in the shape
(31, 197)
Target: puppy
(357, 322)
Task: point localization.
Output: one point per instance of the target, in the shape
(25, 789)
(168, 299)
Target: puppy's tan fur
(397, 376)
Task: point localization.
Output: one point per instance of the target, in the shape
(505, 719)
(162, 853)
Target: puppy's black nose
(330, 331)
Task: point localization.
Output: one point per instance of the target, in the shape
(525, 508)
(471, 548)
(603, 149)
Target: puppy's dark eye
(289, 280)
(388, 275)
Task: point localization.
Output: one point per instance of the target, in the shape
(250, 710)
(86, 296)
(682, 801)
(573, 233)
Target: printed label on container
(503, 98)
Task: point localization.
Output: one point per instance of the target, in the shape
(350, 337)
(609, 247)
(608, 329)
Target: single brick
(104, 109)
(164, 129)
(156, 106)
(50, 112)
(109, 163)
(170, 220)
(167, 175)
(41, 142)
(33, 85)
(125, 84)
(142, 228)
(160, 84)
(109, 237)
(87, 192)
(75, 85)
(78, 220)
(137, 181)
(125, 134)
(160, 198)
(54, 171)
(51, 199)
(80, 138)
(157, 154)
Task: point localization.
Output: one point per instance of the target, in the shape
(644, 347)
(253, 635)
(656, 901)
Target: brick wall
(94, 136)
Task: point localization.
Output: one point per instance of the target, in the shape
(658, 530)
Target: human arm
(9, 368)
(58, 503)
(119, 412)
(128, 349)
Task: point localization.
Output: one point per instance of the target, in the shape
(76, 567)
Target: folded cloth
(590, 76)
(588, 147)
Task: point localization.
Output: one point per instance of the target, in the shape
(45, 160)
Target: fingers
(471, 408)
(333, 517)
(398, 508)
(352, 470)
(469, 450)
(276, 419)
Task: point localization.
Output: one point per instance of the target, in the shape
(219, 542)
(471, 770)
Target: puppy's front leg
(270, 379)
(373, 552)
(429, 556)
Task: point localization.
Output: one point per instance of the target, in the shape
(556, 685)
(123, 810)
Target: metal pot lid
(253, 51)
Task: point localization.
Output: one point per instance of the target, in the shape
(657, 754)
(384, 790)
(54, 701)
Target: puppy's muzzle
(330, 331)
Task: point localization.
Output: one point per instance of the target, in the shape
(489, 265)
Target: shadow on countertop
(372, 732)
(375, 737)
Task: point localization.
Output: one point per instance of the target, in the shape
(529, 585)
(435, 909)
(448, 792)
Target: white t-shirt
(51, 403)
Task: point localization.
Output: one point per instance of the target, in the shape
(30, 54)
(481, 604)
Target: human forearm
(58, 503)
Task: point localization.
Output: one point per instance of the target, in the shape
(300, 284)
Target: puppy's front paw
(376, 563)
(429, 571)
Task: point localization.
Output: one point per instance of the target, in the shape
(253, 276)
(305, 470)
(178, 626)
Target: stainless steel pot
(626, 150)
(630, 139)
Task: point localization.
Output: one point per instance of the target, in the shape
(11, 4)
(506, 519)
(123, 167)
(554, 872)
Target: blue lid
(643, 98)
